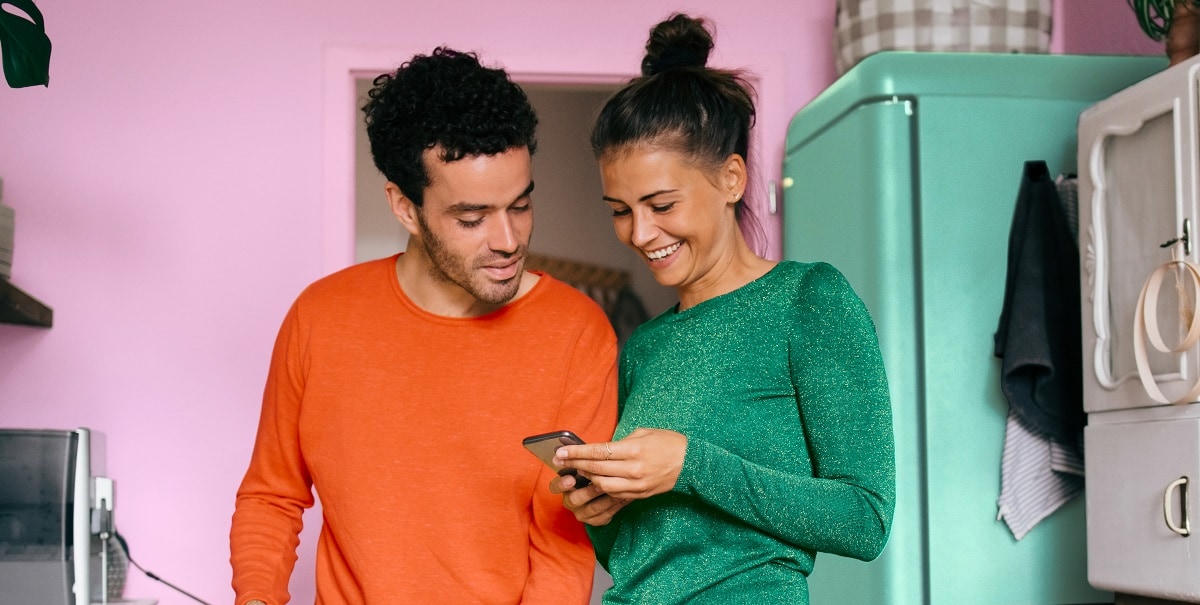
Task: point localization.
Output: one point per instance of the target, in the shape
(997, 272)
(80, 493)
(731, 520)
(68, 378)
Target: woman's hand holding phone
(588, 503)
(645, 463)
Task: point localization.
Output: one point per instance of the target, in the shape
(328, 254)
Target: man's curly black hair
(449, 101)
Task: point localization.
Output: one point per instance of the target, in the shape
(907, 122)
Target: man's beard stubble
(449, 268)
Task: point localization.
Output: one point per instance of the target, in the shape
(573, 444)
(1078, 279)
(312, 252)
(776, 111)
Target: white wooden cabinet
(1138, 192)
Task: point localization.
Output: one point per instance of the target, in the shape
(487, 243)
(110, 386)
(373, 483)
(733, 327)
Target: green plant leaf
(24, 45)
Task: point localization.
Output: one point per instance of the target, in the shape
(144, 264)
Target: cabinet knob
(1184, 529)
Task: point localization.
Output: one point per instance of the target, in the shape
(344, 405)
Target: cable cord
(151, 575)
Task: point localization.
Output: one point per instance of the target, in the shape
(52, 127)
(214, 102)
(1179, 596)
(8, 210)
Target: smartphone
(543, 446)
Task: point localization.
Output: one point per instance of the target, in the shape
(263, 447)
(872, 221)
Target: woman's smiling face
(678, 216)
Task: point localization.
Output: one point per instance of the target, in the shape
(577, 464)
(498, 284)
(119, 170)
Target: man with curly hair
(400, 388)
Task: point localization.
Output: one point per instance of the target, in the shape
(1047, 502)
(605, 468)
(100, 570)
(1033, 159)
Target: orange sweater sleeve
(277, 487)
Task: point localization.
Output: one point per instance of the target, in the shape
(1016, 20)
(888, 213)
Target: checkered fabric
(865, 27)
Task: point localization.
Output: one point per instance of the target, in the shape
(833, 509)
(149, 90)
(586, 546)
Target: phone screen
(543, 446)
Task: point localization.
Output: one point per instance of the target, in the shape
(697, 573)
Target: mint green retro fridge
(904, 175)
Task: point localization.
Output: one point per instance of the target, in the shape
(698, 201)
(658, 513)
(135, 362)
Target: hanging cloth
(1039, 342)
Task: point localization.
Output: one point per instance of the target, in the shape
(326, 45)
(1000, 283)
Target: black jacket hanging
(1038, 337)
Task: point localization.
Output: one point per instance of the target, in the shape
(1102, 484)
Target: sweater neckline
(417, 310)
(751, 288)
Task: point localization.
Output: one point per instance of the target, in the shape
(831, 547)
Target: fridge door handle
(1184, 529)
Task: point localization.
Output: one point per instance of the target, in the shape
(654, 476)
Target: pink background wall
(172, 190)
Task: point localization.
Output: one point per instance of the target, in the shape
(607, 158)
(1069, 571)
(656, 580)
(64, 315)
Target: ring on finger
(608, 448)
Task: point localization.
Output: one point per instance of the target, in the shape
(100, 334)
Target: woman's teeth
(665, 252)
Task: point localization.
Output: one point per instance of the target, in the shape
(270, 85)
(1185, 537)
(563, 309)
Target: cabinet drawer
(1132, 468)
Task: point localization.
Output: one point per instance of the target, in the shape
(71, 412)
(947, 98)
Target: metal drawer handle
(1186, 529)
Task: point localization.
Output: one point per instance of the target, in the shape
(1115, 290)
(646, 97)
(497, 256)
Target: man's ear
(404, 208)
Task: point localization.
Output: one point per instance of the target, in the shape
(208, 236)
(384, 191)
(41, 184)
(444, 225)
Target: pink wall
(172, 193)
(1099, 27)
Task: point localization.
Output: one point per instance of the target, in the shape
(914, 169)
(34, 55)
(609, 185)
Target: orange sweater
(409, 426)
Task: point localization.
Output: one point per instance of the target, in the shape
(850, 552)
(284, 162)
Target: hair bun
(680, 41)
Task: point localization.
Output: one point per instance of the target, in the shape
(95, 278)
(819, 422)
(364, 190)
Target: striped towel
(1037, 476)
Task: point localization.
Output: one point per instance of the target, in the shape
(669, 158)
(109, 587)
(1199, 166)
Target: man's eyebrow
(468, 207)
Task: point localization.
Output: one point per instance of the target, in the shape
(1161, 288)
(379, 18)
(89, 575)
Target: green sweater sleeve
(844, 504)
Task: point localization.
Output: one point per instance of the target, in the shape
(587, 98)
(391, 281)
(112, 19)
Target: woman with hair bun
(755, 424)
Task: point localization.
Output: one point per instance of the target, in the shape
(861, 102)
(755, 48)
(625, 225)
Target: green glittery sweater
(780, 389)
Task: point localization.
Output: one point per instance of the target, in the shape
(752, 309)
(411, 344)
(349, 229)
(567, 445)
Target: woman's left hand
(645, 463)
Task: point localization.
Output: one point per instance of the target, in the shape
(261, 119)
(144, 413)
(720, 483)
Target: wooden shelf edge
(17, 307)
